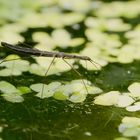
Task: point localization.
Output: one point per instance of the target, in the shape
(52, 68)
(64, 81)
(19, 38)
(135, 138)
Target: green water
(106, 31)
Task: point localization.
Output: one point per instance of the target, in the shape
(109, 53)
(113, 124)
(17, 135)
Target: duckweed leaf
(126, 54)
(102, 40)
(6, 87)
(45, 42)
(60, 96)
(72, 18)
(10, 93)
(13, 97)
(114, 98)
(124, 101)
(113, 24)
(43, 64)
(24, 90)
(107, 99)
(121, 9)
(94, 90)
(9, 72)
(122, 138)
(51, 19)
(76, 42)
(132, 34)
(131, 121)
(131, 132)
(12, 57)
(21, 65)
(38, 87)
(133, 108)
(14, 66)
(33, 19)
(78, 5)
(134, 90)
(75, 91)
(36, 69)
(72, 87)
(44, 90)
(130, 127)
(61, 66)
(78, 85)
(53, 86)
(9, 36)
(77, 97)
(61, 37)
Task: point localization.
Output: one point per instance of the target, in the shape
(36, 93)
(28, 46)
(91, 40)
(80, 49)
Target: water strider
(36, 52)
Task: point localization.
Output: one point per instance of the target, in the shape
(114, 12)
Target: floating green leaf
(114, 98)
(122, 138)
(134, 89)
(130, 127)
(133, 108)
(10, 93)
(6, 87)
(14, 66)
(107, 99)
(113, 24)
(24, 90)
(13, 97)
(124, 101)
(60, 96)
(45, 91)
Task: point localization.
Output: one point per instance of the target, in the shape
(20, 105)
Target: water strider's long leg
(46, 75)
(77, 73)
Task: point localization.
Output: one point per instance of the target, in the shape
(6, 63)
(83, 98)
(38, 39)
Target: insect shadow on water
(54, 55)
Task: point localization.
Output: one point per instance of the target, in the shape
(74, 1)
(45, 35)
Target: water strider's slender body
(36, 52)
